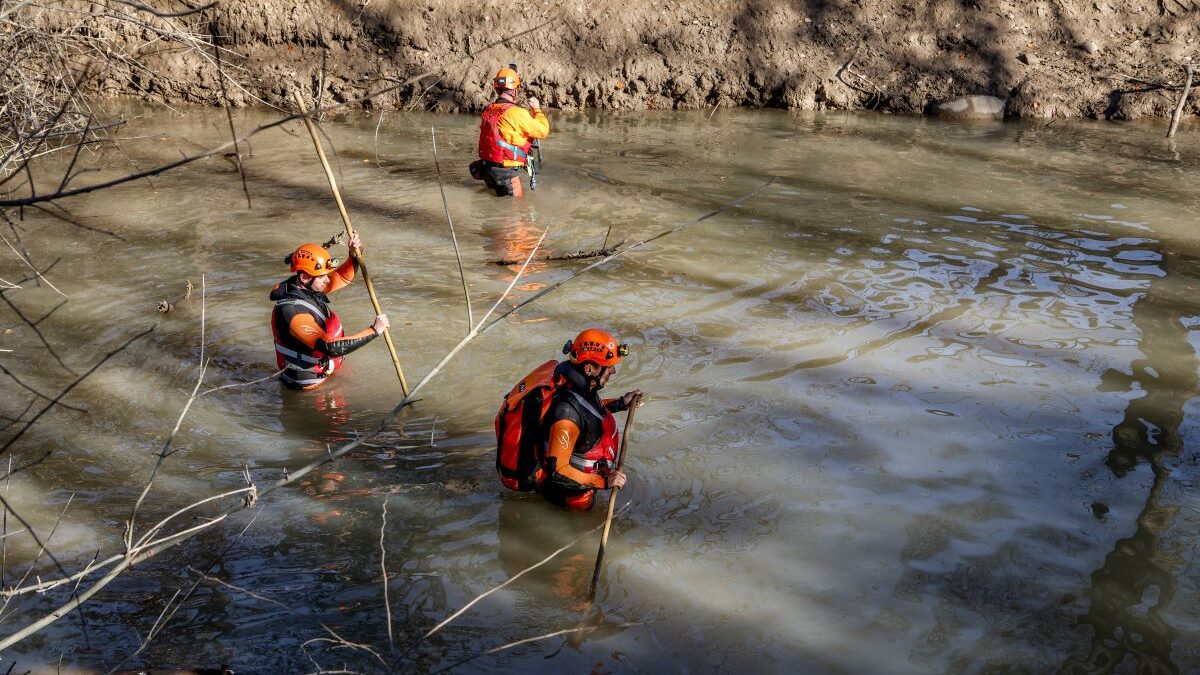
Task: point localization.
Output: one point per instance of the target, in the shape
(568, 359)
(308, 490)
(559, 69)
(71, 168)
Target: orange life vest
(601, 457)
(301, 365)
(492, 146)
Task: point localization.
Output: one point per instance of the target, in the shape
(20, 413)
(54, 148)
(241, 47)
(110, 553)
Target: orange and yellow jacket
(507, 130)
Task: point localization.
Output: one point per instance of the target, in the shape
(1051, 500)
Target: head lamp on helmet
(506, 78)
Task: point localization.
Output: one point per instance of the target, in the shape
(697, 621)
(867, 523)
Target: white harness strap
(312, 378)
(293, 354)
(305, 303)
(578, 461)
(583, 402)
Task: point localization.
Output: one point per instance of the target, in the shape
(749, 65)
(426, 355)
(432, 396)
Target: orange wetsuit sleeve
(342, 276)
(563, 435)
(305, 329)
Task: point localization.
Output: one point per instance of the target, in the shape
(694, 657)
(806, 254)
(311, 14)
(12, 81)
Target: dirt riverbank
(1104, 59)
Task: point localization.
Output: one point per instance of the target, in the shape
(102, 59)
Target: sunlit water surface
(926, 404)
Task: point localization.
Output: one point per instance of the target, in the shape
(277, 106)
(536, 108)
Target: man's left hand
(356, 246)
(632, 399)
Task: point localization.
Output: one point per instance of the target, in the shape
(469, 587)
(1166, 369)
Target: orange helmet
(597, 346)
(506, 78)
(312, 259)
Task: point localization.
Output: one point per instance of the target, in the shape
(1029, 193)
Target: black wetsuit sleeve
(616, 405)
(345, 346)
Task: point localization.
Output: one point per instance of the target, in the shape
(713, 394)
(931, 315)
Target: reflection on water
(928, 404)
(1131, 591)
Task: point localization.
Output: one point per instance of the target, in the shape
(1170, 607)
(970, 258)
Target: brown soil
(1105, 58)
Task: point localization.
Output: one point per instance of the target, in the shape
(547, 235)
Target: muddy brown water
(927, 404)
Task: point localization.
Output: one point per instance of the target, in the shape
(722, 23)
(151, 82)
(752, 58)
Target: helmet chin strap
(595, 381)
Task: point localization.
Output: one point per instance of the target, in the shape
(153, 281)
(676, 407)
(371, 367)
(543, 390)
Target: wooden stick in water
(612, 498)
(362, 265)
(1178, 114)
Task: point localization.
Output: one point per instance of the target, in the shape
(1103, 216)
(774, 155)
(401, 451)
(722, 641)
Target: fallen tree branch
(573, 255)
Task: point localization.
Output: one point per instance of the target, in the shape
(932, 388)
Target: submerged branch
(573, 255)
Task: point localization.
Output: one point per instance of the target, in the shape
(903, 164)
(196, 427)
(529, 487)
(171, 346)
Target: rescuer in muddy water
(581, 436)
(309, 340)
(506, 135)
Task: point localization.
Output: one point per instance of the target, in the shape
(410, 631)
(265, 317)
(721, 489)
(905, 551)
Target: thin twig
(387, 604)
(528, 640)
(219, 557)
(1178, 114)
(39, 394)
(43, 547)
(159, 13)
(256, 596)
(235, 385)
(4, 543)
(33, 326)
(453, 237)
(30, 266)
(237, 151)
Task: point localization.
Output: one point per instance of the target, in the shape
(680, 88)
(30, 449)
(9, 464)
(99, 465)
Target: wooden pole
(362, 265)
(612, 498)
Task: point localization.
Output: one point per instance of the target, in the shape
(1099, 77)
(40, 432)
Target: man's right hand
(534, 104)
(617, 480)
(381, 324)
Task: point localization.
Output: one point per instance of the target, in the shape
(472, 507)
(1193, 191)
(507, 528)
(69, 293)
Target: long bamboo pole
(612, 498)
(362, 265)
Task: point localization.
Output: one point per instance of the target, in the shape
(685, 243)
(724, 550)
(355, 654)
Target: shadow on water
(1137, 582)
